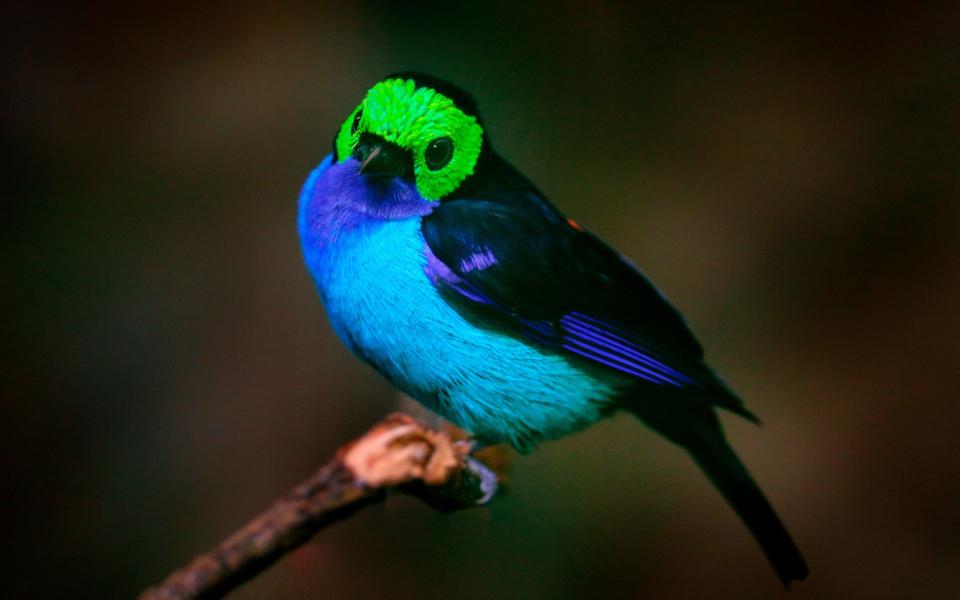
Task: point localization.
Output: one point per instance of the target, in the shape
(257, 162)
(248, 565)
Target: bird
(444, 268)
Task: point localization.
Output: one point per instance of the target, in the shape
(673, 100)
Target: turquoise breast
(383, 306)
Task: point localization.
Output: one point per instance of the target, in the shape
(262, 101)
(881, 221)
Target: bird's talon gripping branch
(489, 481)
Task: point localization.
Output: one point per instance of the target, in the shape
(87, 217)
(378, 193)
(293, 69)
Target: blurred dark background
(788, 175)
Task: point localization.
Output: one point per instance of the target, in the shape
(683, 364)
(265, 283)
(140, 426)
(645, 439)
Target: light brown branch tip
(397, 453)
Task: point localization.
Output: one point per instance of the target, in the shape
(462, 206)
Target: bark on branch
(399, 452)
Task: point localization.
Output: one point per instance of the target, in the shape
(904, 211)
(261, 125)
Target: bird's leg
(488, 463)
(489, 480)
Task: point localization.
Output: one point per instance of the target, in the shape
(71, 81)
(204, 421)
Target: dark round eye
(439, 152)
(356, 122)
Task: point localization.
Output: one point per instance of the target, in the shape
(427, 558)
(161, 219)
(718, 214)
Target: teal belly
(495, 385)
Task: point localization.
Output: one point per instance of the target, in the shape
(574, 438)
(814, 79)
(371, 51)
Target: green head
(414, 126)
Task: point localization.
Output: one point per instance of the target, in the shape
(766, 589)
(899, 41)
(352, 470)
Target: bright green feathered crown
(412, 117)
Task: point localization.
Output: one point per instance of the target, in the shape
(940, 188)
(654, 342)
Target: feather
(563, 288)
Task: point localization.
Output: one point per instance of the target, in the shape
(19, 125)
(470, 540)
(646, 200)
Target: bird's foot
(488, 479)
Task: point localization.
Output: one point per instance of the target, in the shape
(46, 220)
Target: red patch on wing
(574, 224)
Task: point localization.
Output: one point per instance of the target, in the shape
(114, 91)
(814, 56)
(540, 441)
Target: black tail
(692, 423)
(728, 474)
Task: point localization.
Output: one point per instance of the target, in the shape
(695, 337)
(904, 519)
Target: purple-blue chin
(344, 189)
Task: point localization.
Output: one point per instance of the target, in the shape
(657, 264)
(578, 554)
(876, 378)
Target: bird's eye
(356, 121)
(438, 153)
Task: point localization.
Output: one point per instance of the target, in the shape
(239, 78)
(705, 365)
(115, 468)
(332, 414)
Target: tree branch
(399, 452)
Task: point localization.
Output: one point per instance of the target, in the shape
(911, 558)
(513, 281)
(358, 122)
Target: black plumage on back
(560, 286)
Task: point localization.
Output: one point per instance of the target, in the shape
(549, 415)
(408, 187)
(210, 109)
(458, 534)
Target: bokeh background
(787, 174)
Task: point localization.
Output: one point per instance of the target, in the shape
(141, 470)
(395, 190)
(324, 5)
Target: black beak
(380, 158)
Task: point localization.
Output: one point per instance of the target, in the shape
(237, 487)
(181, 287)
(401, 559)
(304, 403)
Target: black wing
(566, 289)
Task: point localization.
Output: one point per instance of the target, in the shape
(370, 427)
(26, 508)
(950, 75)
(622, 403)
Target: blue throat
(363, 245)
